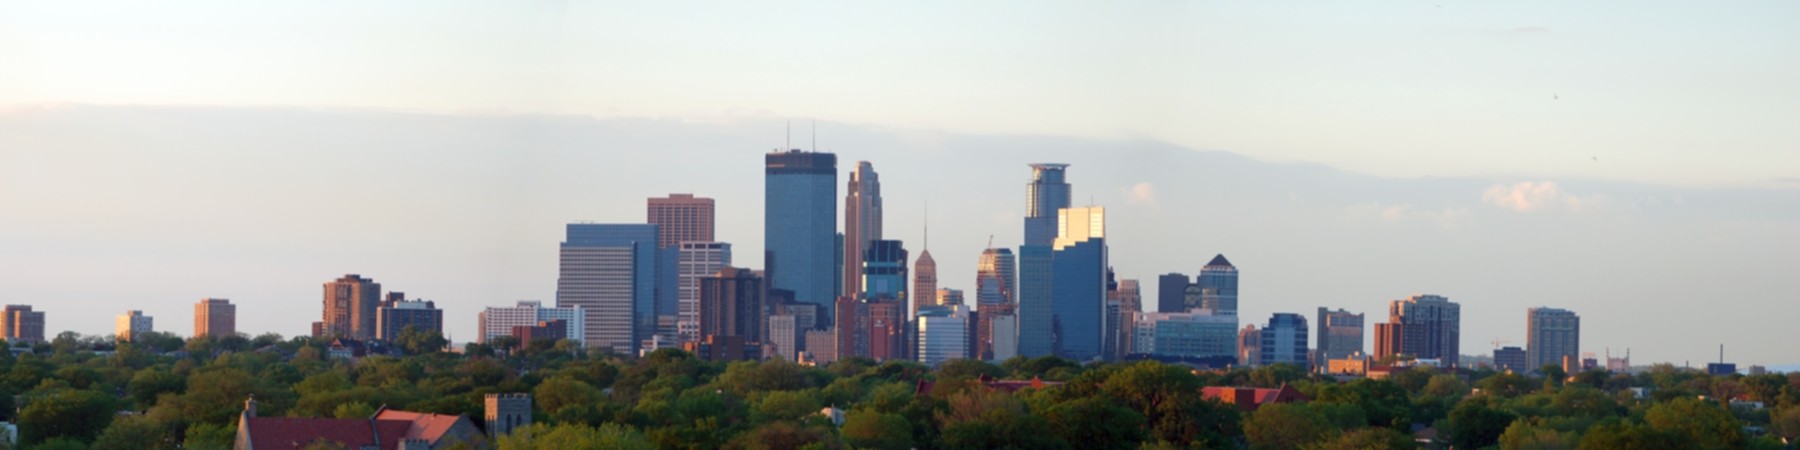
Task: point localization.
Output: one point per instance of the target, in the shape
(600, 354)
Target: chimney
(250, 406)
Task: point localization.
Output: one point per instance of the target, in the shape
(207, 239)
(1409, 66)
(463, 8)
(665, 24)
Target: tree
(1625, 436)
(1553, 375)
(1364, 439)
(865, 428)
(781, 436)
(1507, 385)
(1285, 425)
(414, 341)
(136, 433)
(786, 405)
(1705, 424)
(1096, 423)
(149, 383)
(1785, 422)
(543, 436)
(1527, 434)
(1475, 424)
(1169, 399)
(67, 413)
(561, 391)
(1446, 385)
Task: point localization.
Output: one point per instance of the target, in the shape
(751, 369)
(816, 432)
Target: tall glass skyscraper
(1045, 195)
(1284, 341)
(800, 227)
(610, 271)
(1079, 289)
(1219, 286)
(862, 220)
(884, 271)
(996, 277)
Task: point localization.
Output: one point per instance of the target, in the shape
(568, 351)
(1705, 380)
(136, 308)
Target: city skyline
(1505, 156)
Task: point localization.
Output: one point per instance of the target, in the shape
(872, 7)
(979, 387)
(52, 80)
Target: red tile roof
(1248, 399)
(428, 426)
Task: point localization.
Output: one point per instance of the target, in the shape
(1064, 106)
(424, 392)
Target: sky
(1636, 162)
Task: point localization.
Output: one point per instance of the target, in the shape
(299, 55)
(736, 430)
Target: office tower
(783, 341)
(731, 304)
(862, 220)
(1190, 334)
(1109, 343)
(1046, 194)
(1284, 341)
(695, 260)
(610, 271)
(943, 333)
(806, 315)
(1219, 286)
(947, 297)
(1551, 335)
(1079, 289)
(883, 271)
(1249, 346)
(850, 328)
(800, 242)
(131, 324)
(395, 315)
(1340, 334)
(1171, 292)
(821, 346)
(887, 328)
(350, 304)
(22, 324)
(996, 277)
(681, 218)
(1512, 358)
(1421, 326)
(498, 321)
(925, 290)
(215, 317)
(1123, 306)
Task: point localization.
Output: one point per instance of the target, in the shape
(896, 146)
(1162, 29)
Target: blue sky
(1482, 128)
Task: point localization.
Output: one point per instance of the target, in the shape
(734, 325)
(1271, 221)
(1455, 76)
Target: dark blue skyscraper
(1219, 286)
(884, 271)
(1171, 292)
(610, 270)
(800, 227)
(1045, 195)
(1284, 340)
(1079, 263)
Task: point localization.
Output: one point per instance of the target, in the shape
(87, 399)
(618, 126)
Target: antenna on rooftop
(927, 216)
(990, 241)
(788, 144)
(815, 143)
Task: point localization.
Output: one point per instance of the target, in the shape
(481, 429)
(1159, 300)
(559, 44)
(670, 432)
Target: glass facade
(1219, 286)
(591, 268)
(800, 227)
(1284, 340)
(1079, 289)
(884, 271)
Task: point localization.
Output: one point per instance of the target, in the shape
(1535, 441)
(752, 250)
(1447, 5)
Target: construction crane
(1497, 343)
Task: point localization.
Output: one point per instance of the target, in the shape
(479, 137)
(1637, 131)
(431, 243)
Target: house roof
(1250, 398)
(428, 426)
(285, 433)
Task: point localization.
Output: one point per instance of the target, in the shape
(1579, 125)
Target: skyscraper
(1249, 345)
(1129, 303)
(1551, 335)
(215, 317)
(947, 297)
(943, 333)
(800, 227)
(1171, 292)
(731, 304)
(996, 277)
(1340, 335)
(610, 271)
(395, 315)
(131, 324)
(1190, 334)
(862, 221)
(695, 260)
(1079, 290)
(22, 324)
(350, 304)
(925, 290)
(1422, 326)
(1219, 286)
(681, 218)
(1046, 194)
(1284, 341)
(883, 271)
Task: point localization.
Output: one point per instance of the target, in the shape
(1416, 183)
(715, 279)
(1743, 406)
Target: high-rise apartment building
(681, 218)
(1284, 341)
(943, 333)
(1340, 334)
(1421, 326)
(695, 260)
(801, 253)
(1218, 284)
(1046, 194)
(784, 338)
(131, 324)
(996, 277)
(1079, 263)
(1512, 358)
(1250, 347)
(395, 315)
(1171, 292)
(610, 271)
(1003, 343)
(498, 321)
(1551, 335)
(862, 221)
(731, 305)
(350, 304)
(22, 324)
(1123, 306)
(215, 317)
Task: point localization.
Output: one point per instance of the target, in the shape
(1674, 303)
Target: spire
(927, 216)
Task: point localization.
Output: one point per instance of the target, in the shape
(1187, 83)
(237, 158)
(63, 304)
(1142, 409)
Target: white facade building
(695, 260)
(500, 320)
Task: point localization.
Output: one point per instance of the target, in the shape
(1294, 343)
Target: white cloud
(1531, 196)
(1140, 194)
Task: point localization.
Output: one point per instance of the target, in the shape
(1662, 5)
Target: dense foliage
(162, 392)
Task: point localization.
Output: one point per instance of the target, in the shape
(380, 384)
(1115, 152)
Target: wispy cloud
(1451, 218)
(1532, 196)
(1142, 194)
